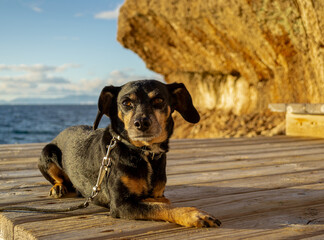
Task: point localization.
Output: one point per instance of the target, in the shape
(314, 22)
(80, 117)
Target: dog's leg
(50, 165)
(162, 210)
(184, 216)
(59, 189)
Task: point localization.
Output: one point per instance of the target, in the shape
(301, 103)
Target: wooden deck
(260, 188)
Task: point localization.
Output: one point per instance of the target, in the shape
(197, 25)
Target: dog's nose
(142, 123)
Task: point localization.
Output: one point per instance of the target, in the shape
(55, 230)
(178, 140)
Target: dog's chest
(148, 159)
(142, 182)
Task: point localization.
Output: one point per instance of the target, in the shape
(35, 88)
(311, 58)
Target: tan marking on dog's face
(161, 118)
(137, 186)
(126, 115)
(132, 96)
(120, 115)
(127, 120)
(152, 94)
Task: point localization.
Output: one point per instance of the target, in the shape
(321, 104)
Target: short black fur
(135, 188)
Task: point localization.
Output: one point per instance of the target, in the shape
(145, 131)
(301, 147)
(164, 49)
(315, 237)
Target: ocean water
(41, 123)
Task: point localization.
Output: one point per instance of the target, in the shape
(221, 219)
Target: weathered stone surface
(235, 56)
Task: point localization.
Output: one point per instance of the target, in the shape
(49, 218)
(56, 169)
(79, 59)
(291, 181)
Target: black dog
(140, 114)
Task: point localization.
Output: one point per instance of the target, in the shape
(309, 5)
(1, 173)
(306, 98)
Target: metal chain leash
(104, 169)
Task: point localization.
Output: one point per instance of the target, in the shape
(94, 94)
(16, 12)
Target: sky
(52, 49)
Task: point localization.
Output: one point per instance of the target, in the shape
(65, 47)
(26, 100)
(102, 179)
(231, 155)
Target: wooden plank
(21, 183)
(222, 156)
(293, 223)
(19, 154)
(228, 145)
(305, 125)
(18, 166)
(98, 226)
(262, 167)
(22, 146)
(27, 217)
(201, 177)
(184, 143)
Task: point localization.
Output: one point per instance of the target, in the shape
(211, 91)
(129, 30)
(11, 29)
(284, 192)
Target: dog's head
(140, 111)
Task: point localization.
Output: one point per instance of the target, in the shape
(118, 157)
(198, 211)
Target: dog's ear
(106, 99)
(182, 102)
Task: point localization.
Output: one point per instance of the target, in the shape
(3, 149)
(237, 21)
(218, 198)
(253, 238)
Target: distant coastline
(68, 100)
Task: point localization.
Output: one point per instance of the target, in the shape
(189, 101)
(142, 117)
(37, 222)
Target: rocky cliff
(234, 56)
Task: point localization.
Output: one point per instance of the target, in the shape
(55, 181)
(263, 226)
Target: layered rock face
(234, 56)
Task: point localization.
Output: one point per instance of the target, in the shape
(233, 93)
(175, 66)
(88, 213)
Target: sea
(41, 123)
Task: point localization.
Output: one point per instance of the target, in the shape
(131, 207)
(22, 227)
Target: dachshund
(140, 115)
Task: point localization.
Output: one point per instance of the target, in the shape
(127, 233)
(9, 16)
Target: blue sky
(64, 47)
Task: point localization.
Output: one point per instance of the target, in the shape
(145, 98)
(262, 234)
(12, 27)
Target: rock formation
(234, 56)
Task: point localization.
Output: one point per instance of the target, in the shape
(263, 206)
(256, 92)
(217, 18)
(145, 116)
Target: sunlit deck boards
(260, 188)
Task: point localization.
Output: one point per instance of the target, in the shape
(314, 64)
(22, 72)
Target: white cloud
(31, 80)
(50, 81)
(116, 77)
(34, 74)
(37, 67)
(94, 86)
(120, 77)
(36, 9)
(108, 15)
(36, 78)
(79, 14)
(66, 66)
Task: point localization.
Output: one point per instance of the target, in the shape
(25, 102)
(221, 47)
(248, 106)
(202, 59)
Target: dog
(140, 113)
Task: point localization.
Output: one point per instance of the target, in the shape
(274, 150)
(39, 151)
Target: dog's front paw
(58, 190)
(193, 217)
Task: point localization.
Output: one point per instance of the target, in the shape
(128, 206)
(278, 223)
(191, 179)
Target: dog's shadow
(253, 208)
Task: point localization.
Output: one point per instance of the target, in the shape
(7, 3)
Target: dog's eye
(127, 103)
(157, 102)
